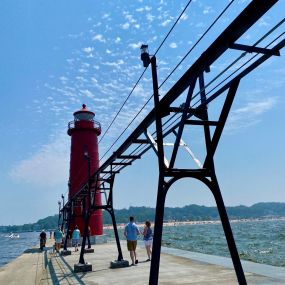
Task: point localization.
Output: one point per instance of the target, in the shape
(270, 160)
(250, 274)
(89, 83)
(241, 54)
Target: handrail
(96, 125)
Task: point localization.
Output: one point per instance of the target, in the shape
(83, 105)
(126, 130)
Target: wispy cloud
(88, 49)
(207, 10)
(47, 167)
(250, 114)
(184, 17)
(125, 26)
(87, 93)
(63, 79)
(135, 45)
(117, 40)
(114, 63)
(140, 9)
(165, 23)
(99, 38)
(106, 16)
(263, 23)
(150, 17)
(75, 36)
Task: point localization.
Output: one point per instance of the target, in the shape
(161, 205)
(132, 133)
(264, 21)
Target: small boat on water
(12, 235)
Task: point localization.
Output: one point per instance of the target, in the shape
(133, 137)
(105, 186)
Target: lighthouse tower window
(84, 116)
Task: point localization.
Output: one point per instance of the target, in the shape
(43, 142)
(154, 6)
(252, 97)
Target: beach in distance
(180, 223)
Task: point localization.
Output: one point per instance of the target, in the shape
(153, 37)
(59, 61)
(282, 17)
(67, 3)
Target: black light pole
(67, 216)
(87, 157)
(62, 197)
(155, 258)
(63, 211)
(86, 211)
(59, 208)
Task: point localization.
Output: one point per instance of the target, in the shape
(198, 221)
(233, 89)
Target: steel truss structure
(141, 140)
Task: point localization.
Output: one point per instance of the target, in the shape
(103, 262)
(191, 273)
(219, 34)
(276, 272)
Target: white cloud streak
(47, 167)
(250, 114)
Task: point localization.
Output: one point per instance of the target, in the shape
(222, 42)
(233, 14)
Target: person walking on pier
(43, 238)
(88, 237)
(58, 239)
(131, 233)
(75, 237)
(147, 237)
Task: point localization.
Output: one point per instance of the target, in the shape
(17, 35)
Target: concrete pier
(176, 267)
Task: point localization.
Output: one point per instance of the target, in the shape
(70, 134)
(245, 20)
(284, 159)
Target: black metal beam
(187, 172)
(140, 141)
(182, 121)
(204, 112)
(121, 163)
(180, 110)
(109, 172)
(242, 23)
(253, 12)
(246, 71)
(225, 87)
(255, 49)
(222, 121)
(201, 123)
(129, 156)
(148, 120)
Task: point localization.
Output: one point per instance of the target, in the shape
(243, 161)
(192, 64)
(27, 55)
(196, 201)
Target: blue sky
(56, 55)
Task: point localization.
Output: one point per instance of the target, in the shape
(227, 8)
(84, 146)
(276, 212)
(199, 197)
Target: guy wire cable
(235, 61)
(126, 128)
(195, 104)
(165, 38)
(123, 105)
(225, 9)
(144, 71)
(176, 65)
(167, 76)
(241, 56)
(262, 38)
(208, 29)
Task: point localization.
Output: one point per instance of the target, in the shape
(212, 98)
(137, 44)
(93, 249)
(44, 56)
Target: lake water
(261, 241)
(11, 248)
(257, 241)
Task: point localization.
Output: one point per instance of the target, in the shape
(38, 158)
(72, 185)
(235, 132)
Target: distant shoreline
(180, 223)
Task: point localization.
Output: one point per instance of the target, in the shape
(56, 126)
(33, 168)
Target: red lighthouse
(84, 132)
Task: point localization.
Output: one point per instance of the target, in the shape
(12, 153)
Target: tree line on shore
(186, 213)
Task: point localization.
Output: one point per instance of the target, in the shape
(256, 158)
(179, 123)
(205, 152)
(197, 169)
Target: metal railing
(96, 125)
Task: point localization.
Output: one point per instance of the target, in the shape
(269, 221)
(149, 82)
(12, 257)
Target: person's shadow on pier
(66, 271)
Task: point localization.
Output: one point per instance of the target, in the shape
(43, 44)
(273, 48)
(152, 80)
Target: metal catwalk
(193, 112)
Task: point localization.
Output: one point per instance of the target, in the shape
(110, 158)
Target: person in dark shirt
(43, 238)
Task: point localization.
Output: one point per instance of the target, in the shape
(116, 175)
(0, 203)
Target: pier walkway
(177, 267)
